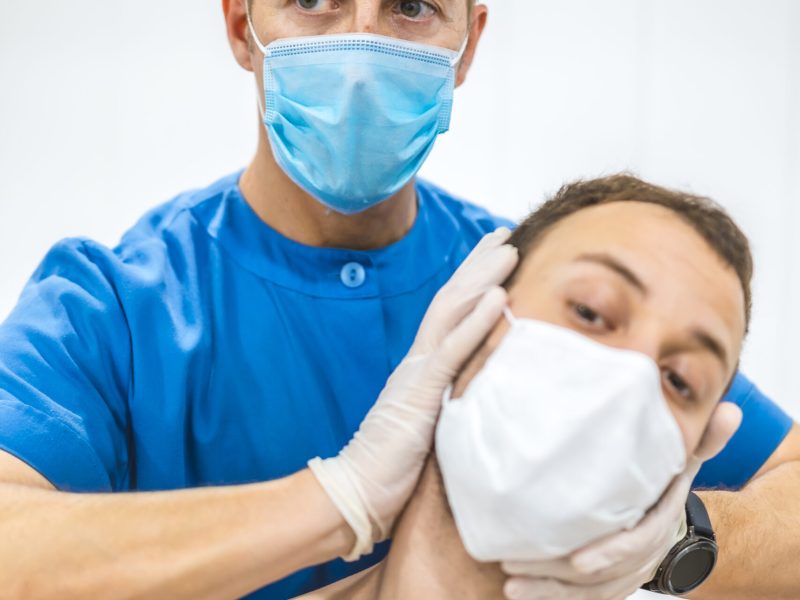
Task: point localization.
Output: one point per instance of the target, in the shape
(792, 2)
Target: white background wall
(107, 108)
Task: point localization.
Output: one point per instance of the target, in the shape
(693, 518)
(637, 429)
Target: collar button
(353, 275)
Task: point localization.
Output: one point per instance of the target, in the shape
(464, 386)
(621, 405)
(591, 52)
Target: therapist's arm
(226, 542)
(204, 543)
(758, 530)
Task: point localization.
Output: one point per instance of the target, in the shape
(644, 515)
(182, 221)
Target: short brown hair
(704, 215)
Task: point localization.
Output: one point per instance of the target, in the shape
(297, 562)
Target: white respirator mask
(558, 441)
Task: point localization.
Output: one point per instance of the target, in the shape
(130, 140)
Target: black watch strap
(697, 517)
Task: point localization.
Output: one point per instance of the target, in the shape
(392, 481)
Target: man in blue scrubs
(240, 330)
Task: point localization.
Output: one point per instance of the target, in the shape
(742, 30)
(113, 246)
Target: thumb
(725, 421)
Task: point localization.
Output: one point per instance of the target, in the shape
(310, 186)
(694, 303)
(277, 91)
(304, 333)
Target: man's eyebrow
(618, 267)
(710, 343)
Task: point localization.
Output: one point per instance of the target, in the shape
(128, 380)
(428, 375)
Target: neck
(427, 558)
(288, 209)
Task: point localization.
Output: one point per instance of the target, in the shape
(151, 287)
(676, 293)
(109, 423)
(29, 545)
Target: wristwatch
(691, 561)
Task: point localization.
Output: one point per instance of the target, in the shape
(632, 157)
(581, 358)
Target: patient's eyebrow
(710, 343)
(615, 265)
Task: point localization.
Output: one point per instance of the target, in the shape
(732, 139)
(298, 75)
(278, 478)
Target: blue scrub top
(208, 349)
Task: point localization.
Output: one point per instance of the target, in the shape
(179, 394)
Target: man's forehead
(602, 221)
(658, 249)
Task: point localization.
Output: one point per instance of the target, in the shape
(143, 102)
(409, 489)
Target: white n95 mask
(557, 442)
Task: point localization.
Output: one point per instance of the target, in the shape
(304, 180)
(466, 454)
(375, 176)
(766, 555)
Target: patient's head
(640, 267)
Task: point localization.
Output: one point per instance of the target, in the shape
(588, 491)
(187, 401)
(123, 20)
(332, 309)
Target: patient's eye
(678, 384)
(589, 316)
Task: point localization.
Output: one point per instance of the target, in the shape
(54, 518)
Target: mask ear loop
(455, 61)
(261, 48)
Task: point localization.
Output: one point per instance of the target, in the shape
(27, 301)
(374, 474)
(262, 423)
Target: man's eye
(415, 9)
(588, 315)
(678, 384)
(315, 5)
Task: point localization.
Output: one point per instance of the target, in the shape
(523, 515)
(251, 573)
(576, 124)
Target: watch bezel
(683, 550)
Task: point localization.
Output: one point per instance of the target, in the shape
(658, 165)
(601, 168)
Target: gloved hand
(614, 567)
(372, 478)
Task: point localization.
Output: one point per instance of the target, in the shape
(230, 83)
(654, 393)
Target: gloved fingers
(553, 568)
(657, 530)
(654, 533)
(562, 570)
(723, 425)
(489, 242)
(489, 265)
(620, 588)
(520, 588)
(460, 344)
(523, 588)
(647, 562)
(461, 294)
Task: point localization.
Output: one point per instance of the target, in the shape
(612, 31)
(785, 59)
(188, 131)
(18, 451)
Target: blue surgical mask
(352, 118)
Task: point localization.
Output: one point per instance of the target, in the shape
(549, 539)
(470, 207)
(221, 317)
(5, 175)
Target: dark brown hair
(704, 215)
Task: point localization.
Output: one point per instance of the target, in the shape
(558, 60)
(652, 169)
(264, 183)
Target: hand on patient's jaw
(428, 560)
(558, 441)
(616, 566)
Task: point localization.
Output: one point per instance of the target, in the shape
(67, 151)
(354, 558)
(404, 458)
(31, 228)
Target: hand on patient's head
(628, 266)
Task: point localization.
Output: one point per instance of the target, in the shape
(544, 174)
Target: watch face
(692, 568)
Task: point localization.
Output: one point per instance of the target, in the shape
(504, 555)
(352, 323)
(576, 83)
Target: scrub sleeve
(64, 374)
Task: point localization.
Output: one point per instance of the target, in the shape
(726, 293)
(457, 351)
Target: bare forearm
(758, 530)
(206, 543)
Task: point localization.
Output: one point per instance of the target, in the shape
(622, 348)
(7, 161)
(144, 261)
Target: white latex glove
(616, 566)
(371, 480)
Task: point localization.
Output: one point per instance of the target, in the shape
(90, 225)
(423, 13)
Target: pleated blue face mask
(351, 118)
